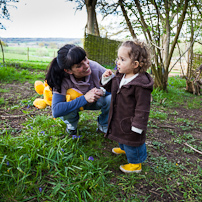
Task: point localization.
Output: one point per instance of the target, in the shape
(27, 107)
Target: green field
(29, 54)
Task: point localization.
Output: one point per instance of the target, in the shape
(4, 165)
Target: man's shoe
(118, 150)
(101, 129)
(131, 168)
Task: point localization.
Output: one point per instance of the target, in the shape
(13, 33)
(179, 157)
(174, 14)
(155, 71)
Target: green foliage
(4, 43)
(101, 50)
(4, 11)
(197, 48)
(175, 95)
(197, 60)
(2, 101)
(9, 73)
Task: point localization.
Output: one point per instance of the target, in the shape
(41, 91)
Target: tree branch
(127, 19)
(178, 30)
(199, 42)
(193, 148)
(186, 50)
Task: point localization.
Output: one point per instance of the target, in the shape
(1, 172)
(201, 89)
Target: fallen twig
(154, 192)
(167, 126)
(10, 128)
(193, 148)
(15, 116)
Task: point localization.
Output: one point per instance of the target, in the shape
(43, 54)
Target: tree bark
(167, 37)
(190, 53)
(195, 86)
(92, 24)
(2, 50)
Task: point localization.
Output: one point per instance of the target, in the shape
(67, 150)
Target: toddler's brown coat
(130, 106)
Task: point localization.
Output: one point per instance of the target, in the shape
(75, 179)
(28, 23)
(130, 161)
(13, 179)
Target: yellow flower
(81, 157)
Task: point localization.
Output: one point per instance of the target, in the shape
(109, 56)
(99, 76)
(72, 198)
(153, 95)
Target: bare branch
(199, 42)
(193, 148)
(156, 46)
(180, 60)
(178, 30)
(15, 116)
(186, 50)
(127, 19)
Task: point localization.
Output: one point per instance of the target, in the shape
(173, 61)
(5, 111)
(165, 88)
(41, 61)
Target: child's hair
(139, 51)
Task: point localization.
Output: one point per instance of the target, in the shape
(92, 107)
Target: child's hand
(107, 73)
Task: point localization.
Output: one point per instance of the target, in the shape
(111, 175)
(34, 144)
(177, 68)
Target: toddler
(131, 89)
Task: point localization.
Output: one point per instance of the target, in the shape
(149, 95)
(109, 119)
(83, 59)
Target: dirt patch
(18, 106)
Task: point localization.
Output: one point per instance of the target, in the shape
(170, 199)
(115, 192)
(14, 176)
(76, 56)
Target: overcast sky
(45, 18)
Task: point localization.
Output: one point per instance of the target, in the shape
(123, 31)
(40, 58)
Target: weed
(2, 101)
(157, 144)
(158, 115)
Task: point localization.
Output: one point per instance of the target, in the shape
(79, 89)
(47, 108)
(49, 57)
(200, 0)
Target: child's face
(124, 63)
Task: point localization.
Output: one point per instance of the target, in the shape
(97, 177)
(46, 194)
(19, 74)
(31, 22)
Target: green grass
(24, 64)
(58, 165)
(176, 95)
(33, 54)
(10, 73)
(41, 163)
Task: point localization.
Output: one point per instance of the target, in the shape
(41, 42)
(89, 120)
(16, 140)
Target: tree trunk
(2, 50)
(195, 86)
(190, 53)
(92, 25)
(167, 37)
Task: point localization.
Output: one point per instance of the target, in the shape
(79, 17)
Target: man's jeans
(103, 103)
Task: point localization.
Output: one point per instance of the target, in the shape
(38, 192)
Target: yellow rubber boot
(131, 168)
(118, 150)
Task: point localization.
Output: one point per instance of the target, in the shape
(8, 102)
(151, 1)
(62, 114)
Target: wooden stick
(10, 128)
(193, 148)
(167, 126)
(156, 46)
(154, 192)
(15, 116)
